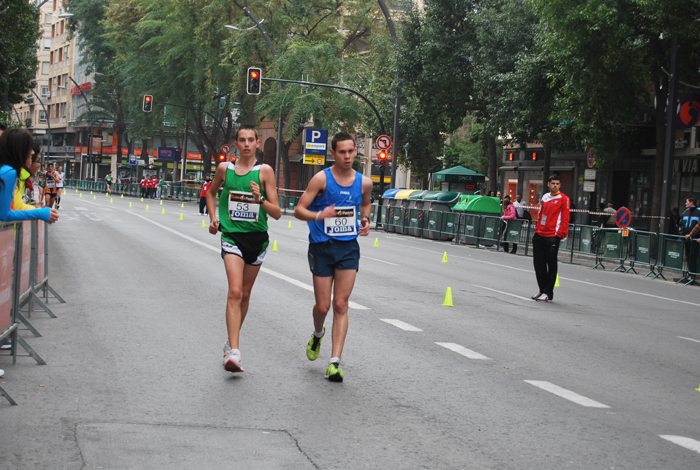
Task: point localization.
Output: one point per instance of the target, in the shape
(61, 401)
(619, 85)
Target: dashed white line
(688, 443)
(463, 351)
(566, 394)
(689, 339)
(379, 260)
(399, 324)
(503, 293)
(352, 305)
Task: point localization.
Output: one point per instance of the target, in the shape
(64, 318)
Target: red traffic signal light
(254, 78)
(222, 157)
(147, 103)
(382, 156)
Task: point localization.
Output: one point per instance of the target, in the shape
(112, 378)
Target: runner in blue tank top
(331, 205)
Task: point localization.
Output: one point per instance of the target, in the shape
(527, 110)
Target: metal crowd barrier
(643, 250)
(25, 274)
(167, 191)
(612, 247)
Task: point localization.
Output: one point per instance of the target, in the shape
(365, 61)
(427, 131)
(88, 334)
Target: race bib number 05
(242, 207)
(344, 222)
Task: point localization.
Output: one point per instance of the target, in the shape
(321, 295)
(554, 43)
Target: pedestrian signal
(147, 103)
(254, 79)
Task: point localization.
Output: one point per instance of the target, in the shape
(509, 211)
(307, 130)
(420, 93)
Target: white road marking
(399, 324)
(666, 299)
(567, 394)
(463, 351)
(503, 293)
(381, 261)
(688, 443)
(305, 241)
(80, 208)
(352, 305)
(689, 339)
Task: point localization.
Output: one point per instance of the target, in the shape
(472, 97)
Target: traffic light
(222, 157)
(254, 79)
(382, 157)
(147, 103)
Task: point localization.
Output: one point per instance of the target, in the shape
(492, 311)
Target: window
(47, 19)
(58, 81)
(44, 92)
(65, 53)
(56, 106)
(63, 110)
(47, 44)
(50, 84)
(44, 68)
(42, 115)
(60, 58)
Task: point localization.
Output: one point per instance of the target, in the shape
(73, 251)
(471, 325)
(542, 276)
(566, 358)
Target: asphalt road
(604, 377)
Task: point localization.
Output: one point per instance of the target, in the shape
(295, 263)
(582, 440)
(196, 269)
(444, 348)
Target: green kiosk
(458, 179)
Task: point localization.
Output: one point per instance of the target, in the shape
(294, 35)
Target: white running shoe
(232, 362)
(542, 298)
(2, 373)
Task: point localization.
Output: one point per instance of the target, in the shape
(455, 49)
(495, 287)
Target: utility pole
(670, 134)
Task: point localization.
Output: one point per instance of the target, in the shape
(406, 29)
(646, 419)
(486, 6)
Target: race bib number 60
(344, 222)
(242, 207)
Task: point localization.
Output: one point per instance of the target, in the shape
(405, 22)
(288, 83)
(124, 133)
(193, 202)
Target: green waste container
(439, 202)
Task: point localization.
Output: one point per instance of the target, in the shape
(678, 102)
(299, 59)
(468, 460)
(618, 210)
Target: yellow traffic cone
(274, 245)
(161, 202)
(376, 241)
(106, 194)
(146, 206)
(444, 257)
(76, 190)
(448, 298)
(556, 283)
(203, 225)
(163, 211)
(141, 199)
(290, 224)
(129, 203)
(180, 215)
(94, 197)
(111, 200)
(81, 194)
(698, 389)
(90, 192)
(122, 196)
(182, 205)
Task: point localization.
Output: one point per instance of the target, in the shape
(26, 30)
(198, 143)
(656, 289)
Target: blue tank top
(341, 196)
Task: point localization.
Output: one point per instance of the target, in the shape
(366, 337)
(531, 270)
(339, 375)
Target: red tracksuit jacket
(553, 219)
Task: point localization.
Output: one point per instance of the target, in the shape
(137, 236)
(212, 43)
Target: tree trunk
(660, 150)
(547, 163)
(493, 164)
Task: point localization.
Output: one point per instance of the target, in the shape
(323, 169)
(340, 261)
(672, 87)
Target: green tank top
(238, 212)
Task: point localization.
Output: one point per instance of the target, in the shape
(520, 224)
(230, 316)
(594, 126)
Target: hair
(37, 152)
(506, 201)
(692, 200)
(553, 177)
(3, 127)
(339, 137)
(249, 127)
(15, 146)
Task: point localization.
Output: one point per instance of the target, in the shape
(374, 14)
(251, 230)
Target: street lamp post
(91, 125)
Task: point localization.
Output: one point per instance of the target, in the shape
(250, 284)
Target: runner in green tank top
(248, 195)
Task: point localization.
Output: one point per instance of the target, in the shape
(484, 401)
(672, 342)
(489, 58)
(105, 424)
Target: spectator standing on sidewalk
(520, 206)
(690, 216)
(509, 213)
(552, 228)
(144, 185)
(610, 221)
(161, 182)
(203, 195)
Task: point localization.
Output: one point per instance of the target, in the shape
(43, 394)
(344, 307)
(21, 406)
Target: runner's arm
(271, 203)
(366, 206)
(316, 186)
(216, 183)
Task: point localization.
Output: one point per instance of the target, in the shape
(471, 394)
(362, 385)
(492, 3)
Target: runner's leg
(239, 275)
(322, 293)
(344, 283)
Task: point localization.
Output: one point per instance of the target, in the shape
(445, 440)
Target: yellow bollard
(448, 298)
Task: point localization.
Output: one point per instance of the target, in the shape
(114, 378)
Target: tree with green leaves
(19, 23)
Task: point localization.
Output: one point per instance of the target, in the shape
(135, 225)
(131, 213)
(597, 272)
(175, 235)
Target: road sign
(226, 148)
(623, 217)
(383, 142)
(589, 186)
(315, 146)
(132, 159)
(590, 158)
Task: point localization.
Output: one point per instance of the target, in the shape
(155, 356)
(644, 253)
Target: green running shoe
(334, 373)
(313, 349)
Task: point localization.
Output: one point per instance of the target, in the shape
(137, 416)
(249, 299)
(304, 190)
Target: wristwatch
(262, 199)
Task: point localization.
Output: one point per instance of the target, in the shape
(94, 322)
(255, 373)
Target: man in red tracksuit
(552, 228)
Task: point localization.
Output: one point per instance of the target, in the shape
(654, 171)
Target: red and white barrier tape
(584, 211)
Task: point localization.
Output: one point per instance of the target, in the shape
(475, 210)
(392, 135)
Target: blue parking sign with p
(315, 146)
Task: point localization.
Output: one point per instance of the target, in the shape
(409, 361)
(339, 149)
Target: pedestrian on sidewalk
(144, 186)
(203, 194)
(331, 204)
(552, 228)
(690, 216)
(509, 214)
(610, 221)
(248, 196)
